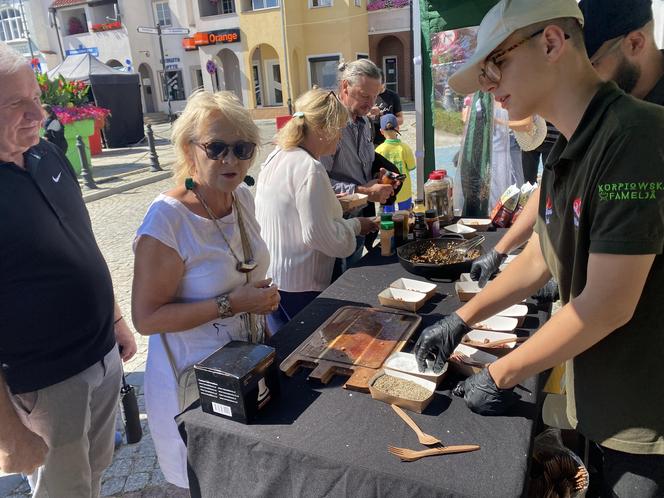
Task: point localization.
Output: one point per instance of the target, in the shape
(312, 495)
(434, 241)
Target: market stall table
(323, 440)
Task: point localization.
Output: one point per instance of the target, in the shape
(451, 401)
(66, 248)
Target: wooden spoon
(422, 437)
(493, 344)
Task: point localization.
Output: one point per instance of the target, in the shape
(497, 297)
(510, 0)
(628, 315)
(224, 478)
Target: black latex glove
(548, 294)
(485, 267)
(440, 339)
(483, 396)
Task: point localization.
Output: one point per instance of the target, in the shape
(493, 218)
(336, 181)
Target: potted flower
(69, 100)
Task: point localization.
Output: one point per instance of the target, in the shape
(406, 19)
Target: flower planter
(95, 139)
(84, 128)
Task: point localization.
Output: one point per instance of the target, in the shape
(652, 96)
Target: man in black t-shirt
(387, 102)
(60, 328)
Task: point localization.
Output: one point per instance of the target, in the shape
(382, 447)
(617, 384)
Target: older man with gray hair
(350, 168)
(59, 325)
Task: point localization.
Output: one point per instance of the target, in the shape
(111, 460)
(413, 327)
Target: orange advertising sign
(219, 36)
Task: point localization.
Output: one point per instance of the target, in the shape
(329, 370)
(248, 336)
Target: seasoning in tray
(401, 388)
(432, 254)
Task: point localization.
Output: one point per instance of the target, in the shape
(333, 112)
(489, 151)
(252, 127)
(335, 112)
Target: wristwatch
(224, 306)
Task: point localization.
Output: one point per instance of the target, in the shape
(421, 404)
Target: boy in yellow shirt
(399, 154)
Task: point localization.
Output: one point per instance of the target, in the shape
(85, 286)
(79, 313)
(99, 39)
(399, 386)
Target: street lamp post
(26, 29)
(157, 30)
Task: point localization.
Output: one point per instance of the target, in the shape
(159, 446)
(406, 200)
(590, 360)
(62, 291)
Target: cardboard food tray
(353, 201)
(482, 359)
(354, 341)
(406, 363)
(408, 404)
(402, 299)
(416, 286)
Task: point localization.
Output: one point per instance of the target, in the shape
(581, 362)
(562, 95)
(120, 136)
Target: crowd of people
(213, 264)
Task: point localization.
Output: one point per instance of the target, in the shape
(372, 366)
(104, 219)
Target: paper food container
(473, 360)
(415, 286)
(518, 311)
(464, 230)
(467, 290)
(353, 201)
(465, 277)
(479, 224)
(406, 363)
(480, 336)
(408, 404)
(497, 324)
(402, 299)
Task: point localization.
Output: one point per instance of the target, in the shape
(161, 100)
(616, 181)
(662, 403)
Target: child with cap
(599, 232)
(399, 154)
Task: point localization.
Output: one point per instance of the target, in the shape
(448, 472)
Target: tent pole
(419, 104)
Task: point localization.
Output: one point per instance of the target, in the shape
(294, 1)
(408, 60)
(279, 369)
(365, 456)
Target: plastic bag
(526, 190)
(501, 216)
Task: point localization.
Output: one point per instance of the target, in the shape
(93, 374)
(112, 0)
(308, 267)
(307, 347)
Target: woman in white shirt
(197, 283)
(300, 217)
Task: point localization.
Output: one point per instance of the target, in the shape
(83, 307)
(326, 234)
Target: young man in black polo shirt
(620, 41)
(600, 232)
(59, 325)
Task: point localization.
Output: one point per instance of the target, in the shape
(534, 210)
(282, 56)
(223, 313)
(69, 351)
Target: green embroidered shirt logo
(635, 191)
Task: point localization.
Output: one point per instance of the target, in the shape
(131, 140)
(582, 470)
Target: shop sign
(83, 50)
(189, 44)
(218, 36)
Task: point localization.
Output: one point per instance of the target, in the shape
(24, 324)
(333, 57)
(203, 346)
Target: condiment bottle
(448, 215)
(386, 238)
(400, 236)
(432, 222)
(421, 229)
(418, 206)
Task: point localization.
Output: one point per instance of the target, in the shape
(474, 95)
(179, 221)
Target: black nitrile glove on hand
(486, 266)
(440, 339)
(483, 396)
(548, 294)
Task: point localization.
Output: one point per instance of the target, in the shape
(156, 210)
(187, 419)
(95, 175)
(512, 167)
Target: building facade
(391, 44)
(22, 28)
(268, 53)
(265, 51)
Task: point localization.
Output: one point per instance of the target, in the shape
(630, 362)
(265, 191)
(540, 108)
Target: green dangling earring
(189, 184)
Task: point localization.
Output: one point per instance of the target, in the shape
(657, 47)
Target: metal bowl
(430, 270)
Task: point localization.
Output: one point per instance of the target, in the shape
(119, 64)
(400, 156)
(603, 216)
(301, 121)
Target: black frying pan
(428, 270)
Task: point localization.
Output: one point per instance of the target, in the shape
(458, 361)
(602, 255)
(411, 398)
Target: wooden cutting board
(355, 342)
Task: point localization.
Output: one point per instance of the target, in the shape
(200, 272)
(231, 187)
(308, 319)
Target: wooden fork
(408, 455)
(422, 437)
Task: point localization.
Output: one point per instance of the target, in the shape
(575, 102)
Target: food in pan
(432, 254)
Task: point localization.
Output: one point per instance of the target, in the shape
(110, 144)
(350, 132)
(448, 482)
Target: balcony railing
(387, 4)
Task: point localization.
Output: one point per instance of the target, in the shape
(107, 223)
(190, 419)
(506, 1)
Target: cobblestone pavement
(135, 472)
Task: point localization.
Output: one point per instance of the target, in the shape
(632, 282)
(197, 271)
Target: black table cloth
(322, 440)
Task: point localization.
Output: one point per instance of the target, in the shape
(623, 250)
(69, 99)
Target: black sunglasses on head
(218, 150)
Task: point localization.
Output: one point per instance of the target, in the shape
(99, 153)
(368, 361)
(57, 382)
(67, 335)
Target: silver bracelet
(224, 306)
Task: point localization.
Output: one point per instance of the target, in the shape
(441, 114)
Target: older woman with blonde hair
(300, 216)
(200, 262)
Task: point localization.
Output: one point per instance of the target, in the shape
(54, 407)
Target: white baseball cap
(498, 24)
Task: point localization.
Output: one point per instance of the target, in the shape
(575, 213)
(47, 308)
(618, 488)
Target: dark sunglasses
(218, 150)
